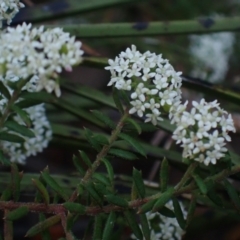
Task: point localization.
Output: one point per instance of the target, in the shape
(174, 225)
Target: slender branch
(64, 225)
(186, 175)
(102, 153)
(106, 30)
(60, 209)
(8, 227)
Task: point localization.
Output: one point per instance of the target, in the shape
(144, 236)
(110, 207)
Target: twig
(102, 153)
(60, 209)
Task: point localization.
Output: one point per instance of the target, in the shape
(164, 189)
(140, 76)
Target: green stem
(106, 30)
(102, 153)
(186, 176)
(68, 234)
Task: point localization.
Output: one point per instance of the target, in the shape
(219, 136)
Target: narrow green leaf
(147, 206)
(167, 212)
(101, 189)
(124, 97)
(41, 188)
(101, 139)
(71, 218)
(93, 193)
(138, 181)
(16, 179)
(4, 90)
(78, 165)
(44, 234)
(85, 159)
(132, 222)
(91, 140)
(145, 226)
(232, 193)
(117, 101)
(179, 214)
(6, 194)
(104, 118)
(134, 124)
(4, 160)
(75, 207)
(11, 137)
(215, 198)
(17, 213)
(147, 127)
(122, 154)
(39, 197)
(22, 114)
(116, 200)
(54, 185)
(191, 210)
(26, 103)
(200, 183)
(109, 226)
(109, 170)
(164, 175)
(163, 199)
(16, 127)
(80, 189)
(38, 228)
(134, 143)
(134, 193)
(98, 227)
(41, 96)
(102, 178)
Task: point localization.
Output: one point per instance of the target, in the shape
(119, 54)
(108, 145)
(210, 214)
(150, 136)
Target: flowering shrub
(146, 87)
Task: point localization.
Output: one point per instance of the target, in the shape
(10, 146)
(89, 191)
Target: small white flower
(138, 107)
(134, 71)
(140, 92)
(124, 85)
(113, 64)
(147, 75)
(160, 82)
(153, 117)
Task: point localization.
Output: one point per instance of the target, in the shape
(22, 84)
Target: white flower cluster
(40, 127)
(164, 227)
(36, 53)
(211, 54)
(203, 131)
(8, 9)
(152, 80)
